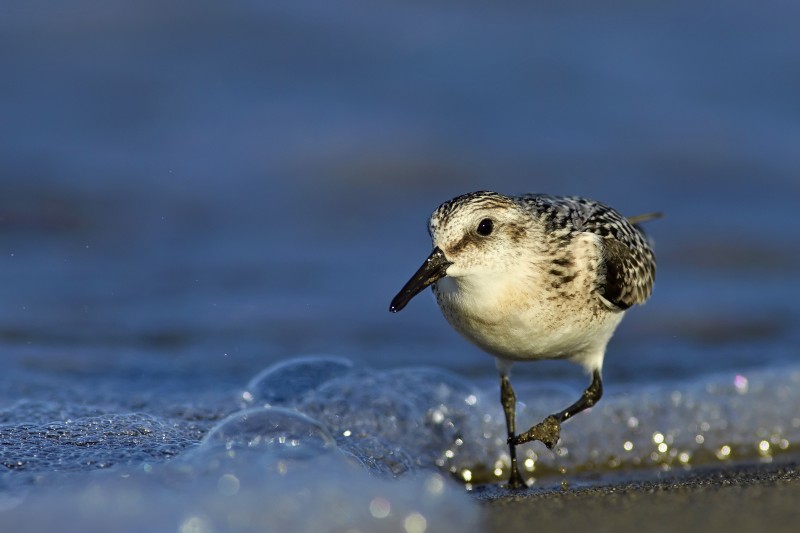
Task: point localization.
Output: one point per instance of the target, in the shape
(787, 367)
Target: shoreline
(747, 497)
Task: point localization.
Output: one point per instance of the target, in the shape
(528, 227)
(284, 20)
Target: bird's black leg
(509, 401)
(548, 431)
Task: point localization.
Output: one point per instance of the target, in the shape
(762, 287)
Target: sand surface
(743, 498)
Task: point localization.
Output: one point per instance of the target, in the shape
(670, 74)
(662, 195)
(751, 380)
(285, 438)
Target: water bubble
(430, 387)
(284, 383)
(273, 429)
(378, 456)
(420, 411)
(364, 405)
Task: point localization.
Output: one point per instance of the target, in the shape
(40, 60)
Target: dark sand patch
(742, 498)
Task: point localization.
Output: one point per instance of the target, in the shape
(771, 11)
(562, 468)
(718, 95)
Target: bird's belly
(538, 332)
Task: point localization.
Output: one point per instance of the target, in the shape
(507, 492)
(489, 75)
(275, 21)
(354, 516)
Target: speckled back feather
(630, 265)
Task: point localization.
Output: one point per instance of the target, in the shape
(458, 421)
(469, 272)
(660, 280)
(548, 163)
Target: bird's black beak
(433, 269)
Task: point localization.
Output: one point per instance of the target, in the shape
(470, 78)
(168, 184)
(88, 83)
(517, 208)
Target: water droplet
(415, 523)
(723, 452)
(228, 485)
(435, 484)
(741, 384)
(380, 507)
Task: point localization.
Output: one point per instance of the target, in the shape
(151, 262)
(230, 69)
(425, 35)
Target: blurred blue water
(192, 191)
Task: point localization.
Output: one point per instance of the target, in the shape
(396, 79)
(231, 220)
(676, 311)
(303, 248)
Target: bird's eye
(485, 227)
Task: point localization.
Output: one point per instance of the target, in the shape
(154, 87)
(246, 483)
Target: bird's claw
(548, 432)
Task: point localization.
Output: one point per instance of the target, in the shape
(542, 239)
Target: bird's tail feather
(645, 217)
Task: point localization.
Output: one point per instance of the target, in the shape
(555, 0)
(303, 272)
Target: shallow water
(192, 194)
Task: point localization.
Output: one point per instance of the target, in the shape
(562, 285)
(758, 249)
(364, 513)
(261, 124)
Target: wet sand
(742, 498)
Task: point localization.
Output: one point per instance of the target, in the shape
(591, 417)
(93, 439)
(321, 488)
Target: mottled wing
(630, 266)
(628, 271)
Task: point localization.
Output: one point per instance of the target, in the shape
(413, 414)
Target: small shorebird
(535, 277)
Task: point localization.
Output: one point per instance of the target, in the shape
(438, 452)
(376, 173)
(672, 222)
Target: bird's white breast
(517, 315)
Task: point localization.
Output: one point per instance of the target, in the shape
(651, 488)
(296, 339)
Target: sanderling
(535, 277)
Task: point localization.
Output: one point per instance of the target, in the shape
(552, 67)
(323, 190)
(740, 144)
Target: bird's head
(475, 236)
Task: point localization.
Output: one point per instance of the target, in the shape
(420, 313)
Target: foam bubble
(274, 429)
(709, 420)
(76, 441)
(401, 420)
(405, 421)
(286, 382)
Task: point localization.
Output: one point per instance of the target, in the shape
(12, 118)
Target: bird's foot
(548, 431)
(515, 480)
